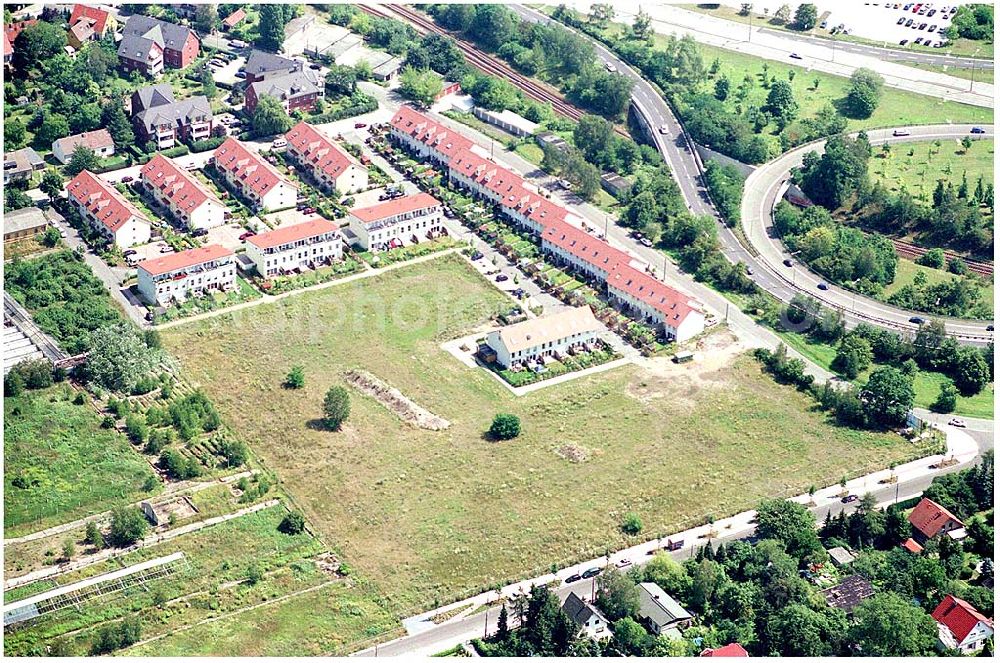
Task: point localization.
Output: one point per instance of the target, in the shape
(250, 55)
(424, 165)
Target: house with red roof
(426, 137)
(99, 141)
(329, 164)
(654, 302)
(387, 225)
(930, 519)
(107, 211)
(189, 201)
(306, 245)
(234, 19)
(88, 23)
(911, 545)
(192, 273)
(961, 626)
(255, 179)
(8, 49)
(731, 650)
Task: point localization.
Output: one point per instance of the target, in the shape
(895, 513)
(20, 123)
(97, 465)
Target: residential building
(13, 29)
(660, 612)
(107, 211)
(840, 556)
(589, 619)
(960, 626)
(911, 545)
(930, 519)
(299, 90)
(301, 246)
(255, 179)
(331, 166)
(652, 301)
(234, 19)
(8, 50)
(165, 122)
(88, 23)
(732, 650)
(190, 201)
(426, 137)
(507, 120)
(537, 339)
(24, 222)
(191, 273)
(262, 65)
(176, 45)
(19, 165)
(849, 593)
(99, 141)
(389, 224)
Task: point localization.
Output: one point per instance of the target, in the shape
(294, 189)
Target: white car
(956, 422)
(610, 67)
(279, 143)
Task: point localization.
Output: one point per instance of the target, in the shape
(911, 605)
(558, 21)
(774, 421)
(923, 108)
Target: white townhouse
(388, 224)
(191, 273)
(590, 255)
(107, 211)
(538, 338)
(331, 166)
(301, 246)
(190, 201)
(426, 137)
(652, 301)
(256, 179)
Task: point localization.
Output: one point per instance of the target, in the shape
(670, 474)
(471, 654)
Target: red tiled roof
(389, 208)
(102, 200)
(586, 247)
(247, 166)
(176, 184)
(731, 650)
(95, 140)
(431, 133)
(184, 259)
(315, 148)
(99, 16)
(657, 294)
(929, 517)
(234, 19)
(912, 546)
(294, 233)
(959, 617)
(12, 30)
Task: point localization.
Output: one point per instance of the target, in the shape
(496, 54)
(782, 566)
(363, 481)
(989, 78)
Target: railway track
(487, 63)
(912, 252)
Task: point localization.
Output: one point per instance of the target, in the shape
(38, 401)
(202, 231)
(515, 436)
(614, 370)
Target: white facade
(281, 196)
(377, 235)
(551, 336)
(63, 153)
(296, 254)
(973, 642)
(692, 324)
(209, 214)
(132, 232)
(183, 283)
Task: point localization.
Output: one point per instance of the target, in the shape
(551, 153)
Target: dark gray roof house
(289, 87)
(165, 34)
(261, 65)
(176, 114)
(851, 591)
(136, 47)
(588, 618)
(662, 614)
(152, 95)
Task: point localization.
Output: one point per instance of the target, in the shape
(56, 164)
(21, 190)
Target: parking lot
(227, 74)
(228, 235)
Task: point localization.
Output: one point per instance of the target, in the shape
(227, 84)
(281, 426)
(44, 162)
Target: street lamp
(973, 79)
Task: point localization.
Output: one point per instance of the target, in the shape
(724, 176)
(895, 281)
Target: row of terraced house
(627, 283)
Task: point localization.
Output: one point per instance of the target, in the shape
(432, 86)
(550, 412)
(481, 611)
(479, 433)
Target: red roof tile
(184, 259)
(177, 185)
(731, 650)
(12, 30)
(315, 148)
(294, 233)
(673, 304)
(586, 247)
(369, 215)
(102, 200)
(930, 518)
(234, 19)
(959, 617)
(912, 546)
(248, 167)
(433, 134)
(95, 140)
(97, 15)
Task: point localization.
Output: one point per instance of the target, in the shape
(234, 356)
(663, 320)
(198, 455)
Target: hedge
(367, 106)
(112, 163)
(207, 144)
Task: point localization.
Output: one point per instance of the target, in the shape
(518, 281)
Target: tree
(631, 524)
(54, 126)
(52, 184)
(888, 396)
(806, 16)
(798, 630)
(36, 44)
(617, 595)
(594, 135)
(420, 85)
(970, 370)
(273, 19)
(864, 93)
(791, 524)
(947, 398)
(92, 535)
(601, 12)
(935, 257)
(292, 523)
(887, 625)
(783, 14)
(14, 134)
(269, 117)
(296, 378)
(119, 357)
(336, 407)
(722, 88)
(254, 573)
(630, 638)
(781, 102)
(642, 26)
(341, 80)
(84, 158)
(505, 427)
(113, 119)
(207, 81)
(966, 144)
(234, 452)
(206, 19)
(854, 355)
(68, 549)
(128, 525)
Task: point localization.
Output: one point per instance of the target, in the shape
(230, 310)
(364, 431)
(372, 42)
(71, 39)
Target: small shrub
(296, 378)
(505, 427)
(292, 523)
(631, 524)
(79, 399)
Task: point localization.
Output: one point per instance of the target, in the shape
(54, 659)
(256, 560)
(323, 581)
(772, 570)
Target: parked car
(199, 232)
(822, 286)
(917, 320)
(909, 22)
(478, 255)
(591, 572)
(795, 56)
(956, 422)
(923, 26)
(610, 67)
(309, 210)
(977, 130)
(573, 578)
(787, 262)
(673, 545)
(241, 74)
(127, 179)
(847, 499)
(900, 132)
(129, 252)
(989, 328)
(623, 563)
(901, 21)
(279, 143)
(360, 125)
(237, 43)
(933, 28)
(502, 277)
(904, 42)
(247, 235)
(645, 241)
(165, 249)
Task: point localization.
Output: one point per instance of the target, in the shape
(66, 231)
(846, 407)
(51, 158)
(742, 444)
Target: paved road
(763, 189)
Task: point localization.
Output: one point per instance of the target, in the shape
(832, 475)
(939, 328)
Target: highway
(762, 191)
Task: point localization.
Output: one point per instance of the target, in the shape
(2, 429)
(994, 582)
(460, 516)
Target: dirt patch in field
(394, 400)
(574, 453)
(661, 377)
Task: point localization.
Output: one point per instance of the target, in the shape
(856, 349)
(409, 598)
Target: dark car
(477, 255)
(502, 277)
(917, 320)
(822, 286)
(360, 125)
(989, 328)
(127, 179)
(847, 499)
(130, 252)
(200, 232)
(904, 42)
(977, 130)
(309, 210)
(795, 56)
(901, 21)
(787, 262)
(573, 578)
(591, 572)
(247, 235)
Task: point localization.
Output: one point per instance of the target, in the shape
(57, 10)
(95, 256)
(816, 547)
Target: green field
(434, 515)
(68, 465)
(920, 171)
(906, 271)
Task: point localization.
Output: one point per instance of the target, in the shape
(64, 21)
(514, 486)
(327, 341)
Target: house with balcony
(262, 65)
(299, 90)
(99, 141)
(329, 164)
(960, 626)
(426, 137)
(538, 339)
(193, 273)
(256, 180)
(107, 211)
(389, 224)
(177, 46)
(301, 246)
(158, 118)
(189, 201)
(88, 23)
(653, 302)
(20, 165)
(140, 54)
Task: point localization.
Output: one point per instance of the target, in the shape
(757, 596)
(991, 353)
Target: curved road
(762, 191)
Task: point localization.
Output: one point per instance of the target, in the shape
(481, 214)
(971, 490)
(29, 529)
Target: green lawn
(918, 166)
(61, 465)
(979, 74)
(906, 271)
(437, 515)
(530, 152)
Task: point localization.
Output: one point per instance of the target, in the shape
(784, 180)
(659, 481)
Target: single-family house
(165, 122)
(930, 519)
(190, 201)
(732, 650)
(149, 44)
(306, 245)
(191, 273)
(387, 225)
(661, 614)
(255, 179)
(299, 90)
(88, 23)
(840, 556)
(849, 593)
(590, 621)
(107, 211)
(24, 222)
(960, 626)
(99, 141)
(536, 339)
(19, 165)
(330, 165)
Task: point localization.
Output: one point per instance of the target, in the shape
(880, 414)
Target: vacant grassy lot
(907, 270)
(918, 166)
(427, 515)
(60, 465)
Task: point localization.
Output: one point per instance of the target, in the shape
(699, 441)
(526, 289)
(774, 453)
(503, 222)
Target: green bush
(505, 427)
(178, 466)
(128, 525)
(631, 524)
(292, 523)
